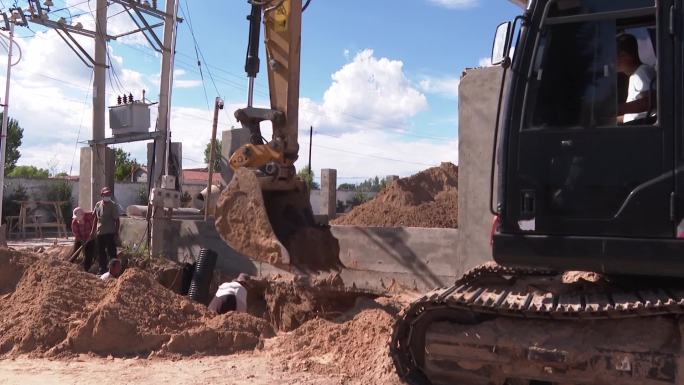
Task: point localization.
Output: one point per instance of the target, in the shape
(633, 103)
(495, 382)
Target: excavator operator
(641, 91)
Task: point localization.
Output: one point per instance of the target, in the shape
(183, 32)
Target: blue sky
(379, 80)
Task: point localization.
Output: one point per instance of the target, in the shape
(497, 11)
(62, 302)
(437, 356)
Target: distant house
(199, 176)
(139, 174)
(195, 180)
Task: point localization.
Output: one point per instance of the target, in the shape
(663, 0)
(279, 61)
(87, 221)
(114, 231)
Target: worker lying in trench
(231, 296)
(114, 271)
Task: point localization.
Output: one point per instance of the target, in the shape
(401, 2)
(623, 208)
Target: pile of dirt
(426, 199)
(288, 303)
(276, 227)
(56, 309)
(357, 348)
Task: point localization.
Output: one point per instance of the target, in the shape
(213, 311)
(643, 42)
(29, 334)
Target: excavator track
(506, 326)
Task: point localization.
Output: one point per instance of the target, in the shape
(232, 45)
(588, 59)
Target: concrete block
(477, 104)
(329, 192)
(89, 185)
(419, 257)
(231, 140)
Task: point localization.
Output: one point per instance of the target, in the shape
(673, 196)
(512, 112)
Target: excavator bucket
(276, 227)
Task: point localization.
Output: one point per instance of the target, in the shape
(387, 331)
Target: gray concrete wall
(183, 240)
(383, 258)
(477, 102)
(377, 260)
(125, 193)
(344, 196)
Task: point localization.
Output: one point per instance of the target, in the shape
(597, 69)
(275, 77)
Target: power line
(78, 135)
(198, 49)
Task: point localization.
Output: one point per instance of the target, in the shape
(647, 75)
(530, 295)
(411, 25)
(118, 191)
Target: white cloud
(364, 154)
(361, 122)
(363, 126)
(368, 89)
(485, 62)
(456, 4)
(445, 86)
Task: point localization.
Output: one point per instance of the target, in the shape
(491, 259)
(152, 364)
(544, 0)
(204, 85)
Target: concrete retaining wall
(383, 258)
(477, 103)
(376, 259)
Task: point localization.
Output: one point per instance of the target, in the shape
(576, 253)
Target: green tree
(29, 172)
(123, 165)
(347, 187)
(14, 135)
(217, 155)
(308, 176)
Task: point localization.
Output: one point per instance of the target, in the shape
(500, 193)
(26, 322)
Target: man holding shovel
(81, 226)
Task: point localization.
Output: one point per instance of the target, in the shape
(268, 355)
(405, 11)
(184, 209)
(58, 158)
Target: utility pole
(98, 151)
(218, 105)
(5, 117)
(162, 144)
(310, 145)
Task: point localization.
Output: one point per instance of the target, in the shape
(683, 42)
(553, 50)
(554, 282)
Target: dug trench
(50, 308)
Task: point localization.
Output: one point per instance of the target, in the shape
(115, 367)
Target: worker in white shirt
(641, 92)
(231, 296)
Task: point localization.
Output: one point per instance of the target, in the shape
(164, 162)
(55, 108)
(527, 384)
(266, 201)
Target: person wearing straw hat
(81, 226)
(105, 228)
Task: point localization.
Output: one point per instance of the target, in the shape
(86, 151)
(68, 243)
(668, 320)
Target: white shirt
(106, 276)
(641, 80)
(238, 291)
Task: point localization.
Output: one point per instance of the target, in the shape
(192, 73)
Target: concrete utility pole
(5, 116)
(218, 105)
(97, 169)
(162, 149)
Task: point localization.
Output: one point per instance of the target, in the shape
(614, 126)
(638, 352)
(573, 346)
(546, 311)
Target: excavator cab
(591, 147)
(265, 212)
(587, 287)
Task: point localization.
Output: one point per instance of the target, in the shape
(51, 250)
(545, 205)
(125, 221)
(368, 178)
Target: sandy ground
(244, 368)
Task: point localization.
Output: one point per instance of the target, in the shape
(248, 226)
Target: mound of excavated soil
(426, 199)
(357, 348)
(288, 303)
(55, 308)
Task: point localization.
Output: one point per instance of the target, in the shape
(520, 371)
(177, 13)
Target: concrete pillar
(175, 158)
(329, 192)
(477, 103)
(89, 189)
(160, 235)
(231, 140)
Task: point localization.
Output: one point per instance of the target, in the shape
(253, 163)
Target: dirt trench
(50, 308)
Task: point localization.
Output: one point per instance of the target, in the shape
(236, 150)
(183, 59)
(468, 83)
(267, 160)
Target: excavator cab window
(586, 75)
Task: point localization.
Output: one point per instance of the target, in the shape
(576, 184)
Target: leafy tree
(62, 175)
(29, 172)
(217, 155)
(123, 165)
(369, 185)
(347, 187)
(358, 199)
(9, 201)
(308, 176)
(14, 135)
